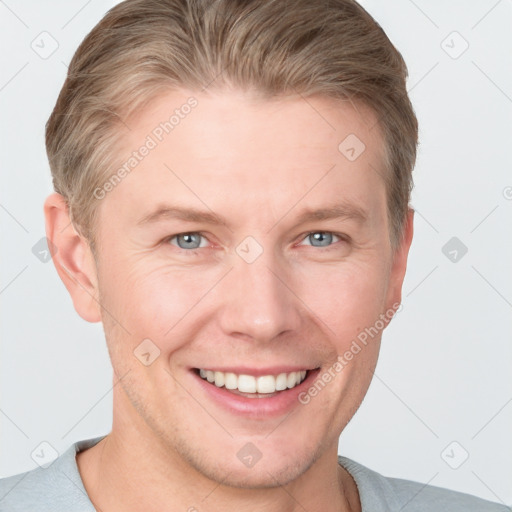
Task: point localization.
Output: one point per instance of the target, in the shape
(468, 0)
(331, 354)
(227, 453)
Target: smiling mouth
(251, 386)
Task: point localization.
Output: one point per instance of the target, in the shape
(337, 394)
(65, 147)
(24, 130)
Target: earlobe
(72, 258)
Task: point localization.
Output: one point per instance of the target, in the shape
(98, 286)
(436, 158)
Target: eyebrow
(166, 212)
(337, 211)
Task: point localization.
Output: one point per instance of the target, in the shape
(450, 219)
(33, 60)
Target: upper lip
(245, 370)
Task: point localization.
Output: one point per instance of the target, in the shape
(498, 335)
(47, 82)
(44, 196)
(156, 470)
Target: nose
(258, 303)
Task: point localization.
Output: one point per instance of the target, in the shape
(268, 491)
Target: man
(232, 203)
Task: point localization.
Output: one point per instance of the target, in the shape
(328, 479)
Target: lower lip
(280, 403)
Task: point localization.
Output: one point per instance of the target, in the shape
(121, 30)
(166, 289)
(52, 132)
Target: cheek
(157, 302)
(146, 305)
(347, 300)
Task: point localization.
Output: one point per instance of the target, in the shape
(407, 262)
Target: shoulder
(395, 494)
(415, 496)
(55, 488)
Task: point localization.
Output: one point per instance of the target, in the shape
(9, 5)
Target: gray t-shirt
(59, 488)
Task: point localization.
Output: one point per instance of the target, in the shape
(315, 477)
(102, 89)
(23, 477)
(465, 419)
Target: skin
(258, 163)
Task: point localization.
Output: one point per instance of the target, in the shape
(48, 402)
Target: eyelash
(194, 252)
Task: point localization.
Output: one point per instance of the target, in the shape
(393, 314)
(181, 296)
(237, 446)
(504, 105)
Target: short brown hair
(277, 47)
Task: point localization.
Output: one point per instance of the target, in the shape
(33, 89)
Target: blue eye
(190, 240)
(323, 238)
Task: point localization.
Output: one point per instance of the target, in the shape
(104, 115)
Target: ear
(399, 264)
(72, 258)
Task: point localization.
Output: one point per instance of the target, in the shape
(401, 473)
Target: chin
(262, 476)
(268, 472)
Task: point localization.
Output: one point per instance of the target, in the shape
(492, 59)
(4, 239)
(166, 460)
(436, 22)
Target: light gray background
(444, 374)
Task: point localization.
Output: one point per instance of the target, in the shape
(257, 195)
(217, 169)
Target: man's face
(262, 294)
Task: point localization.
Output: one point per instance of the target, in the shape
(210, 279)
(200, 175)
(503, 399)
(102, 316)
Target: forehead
(235, 148)
(273, 124)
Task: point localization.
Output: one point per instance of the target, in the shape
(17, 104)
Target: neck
(132, 470)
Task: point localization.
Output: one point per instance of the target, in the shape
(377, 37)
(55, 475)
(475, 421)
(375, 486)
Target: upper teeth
(251, 384)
